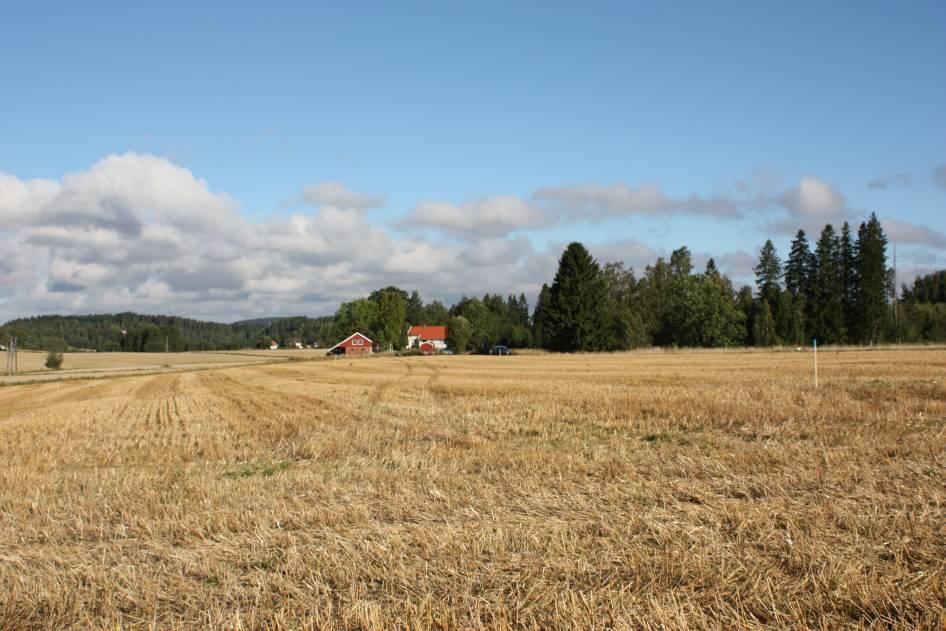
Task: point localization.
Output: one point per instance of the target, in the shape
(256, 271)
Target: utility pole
(896, 295)
(11, 357)
(167, 362)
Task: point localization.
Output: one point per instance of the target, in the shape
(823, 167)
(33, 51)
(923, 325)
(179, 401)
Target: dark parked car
(499, 350)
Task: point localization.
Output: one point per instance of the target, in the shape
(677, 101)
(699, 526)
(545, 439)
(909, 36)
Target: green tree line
(840, 291)
(150, 333)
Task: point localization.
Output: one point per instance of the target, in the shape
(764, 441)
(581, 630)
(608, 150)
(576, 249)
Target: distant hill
(150, 333)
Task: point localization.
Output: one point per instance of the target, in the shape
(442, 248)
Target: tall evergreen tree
(768, 274)
(849, 281)
(797, 309)
(540, 317)
(872, 280)
(828, 323)
(711, 272)
(930, 288)
(772, 305)
(578, 319)
(799, 268)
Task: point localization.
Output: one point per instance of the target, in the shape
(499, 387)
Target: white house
(427, 338)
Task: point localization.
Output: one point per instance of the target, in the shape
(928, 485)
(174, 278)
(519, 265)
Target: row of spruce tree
(839, 291)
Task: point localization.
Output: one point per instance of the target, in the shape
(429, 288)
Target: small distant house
(427, 339)
(298, 344)
(273, 345)
(354, 344)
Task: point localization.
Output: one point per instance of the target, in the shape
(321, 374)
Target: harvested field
(31, 364)
(33, 361)
(680, 490)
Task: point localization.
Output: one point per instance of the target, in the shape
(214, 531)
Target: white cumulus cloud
(335, 194)
(595, 201)
(906, 232)
(483, 217)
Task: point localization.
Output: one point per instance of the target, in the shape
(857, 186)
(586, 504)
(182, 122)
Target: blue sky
(485, 136)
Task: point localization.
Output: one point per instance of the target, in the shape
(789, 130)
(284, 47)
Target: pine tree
(849, 281)
(578, 319)
(872, 280)
(540, 317)
(522, 315)
(711, 272)
(828, 324)
(798, 309)
(768, 274)
(798, 269)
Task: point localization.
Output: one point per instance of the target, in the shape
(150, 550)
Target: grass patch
(656, 439)
(254, 469)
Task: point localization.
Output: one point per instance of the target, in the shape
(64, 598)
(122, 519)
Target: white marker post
(815, 342)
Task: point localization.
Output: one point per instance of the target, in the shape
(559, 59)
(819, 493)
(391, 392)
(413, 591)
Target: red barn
(354, 344)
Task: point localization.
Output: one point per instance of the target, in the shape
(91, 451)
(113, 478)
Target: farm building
(354, 344)
(428, 339)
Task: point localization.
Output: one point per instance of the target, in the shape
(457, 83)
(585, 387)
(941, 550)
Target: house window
(357, 342)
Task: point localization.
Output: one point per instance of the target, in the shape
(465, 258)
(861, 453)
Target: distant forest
(838, 290)
(150, 333)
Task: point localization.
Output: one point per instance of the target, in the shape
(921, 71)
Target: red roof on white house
(428, 332)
